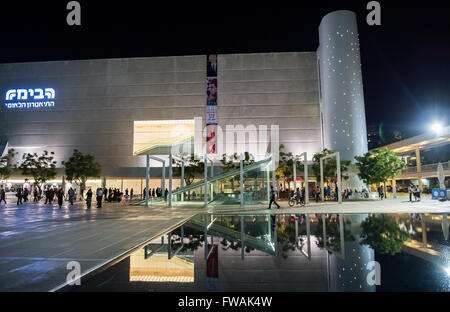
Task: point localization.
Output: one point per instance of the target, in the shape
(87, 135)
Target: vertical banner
(211, 103)
(212, 268)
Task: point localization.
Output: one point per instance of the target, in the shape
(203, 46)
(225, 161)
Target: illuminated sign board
(29, 98)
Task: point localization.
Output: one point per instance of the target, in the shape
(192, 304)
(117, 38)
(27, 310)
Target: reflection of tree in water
(286, 237)
(193, 239)
(234, 245)
(286, 234)
(383, 234)
(333, 234)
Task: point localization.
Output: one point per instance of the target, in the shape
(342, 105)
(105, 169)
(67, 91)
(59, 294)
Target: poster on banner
(211, 102)
(211, 139)
(211, 115)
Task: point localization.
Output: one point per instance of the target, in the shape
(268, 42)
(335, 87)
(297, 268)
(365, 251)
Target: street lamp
(437, 128)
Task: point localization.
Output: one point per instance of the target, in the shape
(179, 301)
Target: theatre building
(306, 101)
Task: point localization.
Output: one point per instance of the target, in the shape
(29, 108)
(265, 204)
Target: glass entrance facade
(225, 188)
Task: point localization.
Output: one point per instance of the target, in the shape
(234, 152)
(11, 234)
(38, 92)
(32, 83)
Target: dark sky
(406, 60)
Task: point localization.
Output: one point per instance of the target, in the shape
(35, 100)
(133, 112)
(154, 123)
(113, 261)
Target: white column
(321, 180)
(305, 166)
(147, 176)
(274, 182)
(339, 181)
(241, 179)
(295, 175)
(205, 162)
(419, 169)
(268, 183)
(211, 175)
(169, 202)
(182, 179)
(242, 237)
(163, 182)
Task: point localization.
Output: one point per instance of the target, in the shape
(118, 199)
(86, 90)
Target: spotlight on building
(437, 128)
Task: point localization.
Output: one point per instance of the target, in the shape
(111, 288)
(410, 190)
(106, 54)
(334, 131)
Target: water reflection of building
(348, 267)
(158, 268)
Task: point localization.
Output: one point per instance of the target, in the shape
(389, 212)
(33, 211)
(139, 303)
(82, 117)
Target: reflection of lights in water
(447, 270)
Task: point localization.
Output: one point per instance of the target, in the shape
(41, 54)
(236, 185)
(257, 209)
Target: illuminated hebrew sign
(30, 98)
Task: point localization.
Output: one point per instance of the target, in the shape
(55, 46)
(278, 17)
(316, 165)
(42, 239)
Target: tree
(378, 166)
(329, 166)
(80, 167)
(7, 166)
(383, 234)
(193, 168)
(232, 162)
(285, 168)
(42, 168)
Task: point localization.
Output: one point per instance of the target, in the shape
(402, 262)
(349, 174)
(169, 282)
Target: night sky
(405, 61)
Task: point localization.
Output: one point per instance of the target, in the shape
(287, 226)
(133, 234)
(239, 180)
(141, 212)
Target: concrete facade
(97, 102)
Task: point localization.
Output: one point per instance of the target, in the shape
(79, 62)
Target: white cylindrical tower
(342, 107)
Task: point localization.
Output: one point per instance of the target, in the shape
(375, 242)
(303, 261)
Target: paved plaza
(37, 241)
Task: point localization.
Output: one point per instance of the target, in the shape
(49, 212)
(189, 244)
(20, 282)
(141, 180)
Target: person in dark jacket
(71, 194)
(272, 198)
(89, 198)
(60, 196)
(52, 195)
(2, 195)
(19, 196)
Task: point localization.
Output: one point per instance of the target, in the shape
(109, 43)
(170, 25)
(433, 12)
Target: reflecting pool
(302, 252)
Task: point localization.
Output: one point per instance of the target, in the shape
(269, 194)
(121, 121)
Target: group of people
(155, 192)
(414, 190)
(50, 194)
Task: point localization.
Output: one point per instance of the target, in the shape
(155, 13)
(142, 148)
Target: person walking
(131, 193)
(71, 194)
(89, 198)
(272, 198)
(19, 196)
(126, 193)
(35, 194)
(60, 195)
(144, 193)
(52, 195)
(105, 192)
(25, 195)
(380, 192)
(46, 193)
(99, 197)
(410, 192)
(2, 195)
